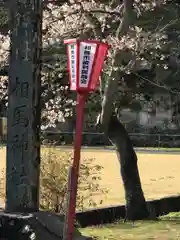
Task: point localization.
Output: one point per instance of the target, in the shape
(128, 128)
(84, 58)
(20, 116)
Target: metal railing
(98, 139)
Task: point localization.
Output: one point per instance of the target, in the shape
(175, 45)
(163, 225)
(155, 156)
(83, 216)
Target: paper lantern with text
(85, 63)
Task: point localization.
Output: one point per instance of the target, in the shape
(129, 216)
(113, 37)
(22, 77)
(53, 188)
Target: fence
(155, 140)
(98, 139)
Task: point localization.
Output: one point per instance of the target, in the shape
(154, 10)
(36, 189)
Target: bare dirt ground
(159, 175)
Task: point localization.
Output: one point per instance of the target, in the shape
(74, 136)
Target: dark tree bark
(135, 202)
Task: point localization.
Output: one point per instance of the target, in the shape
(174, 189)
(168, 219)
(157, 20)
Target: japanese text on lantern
(87, 52)
(85, 65)
(72, 59)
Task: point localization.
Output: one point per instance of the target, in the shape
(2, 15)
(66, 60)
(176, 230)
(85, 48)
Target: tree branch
(126, 21)
(96, 25)
(86, 12)
(107, 104)
(157, 85)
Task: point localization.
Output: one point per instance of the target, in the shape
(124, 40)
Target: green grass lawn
(167, 228)
(164, 229)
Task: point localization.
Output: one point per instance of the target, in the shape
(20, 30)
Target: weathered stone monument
(23, 145)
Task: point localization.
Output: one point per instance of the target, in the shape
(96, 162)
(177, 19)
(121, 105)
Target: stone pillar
(23, 143)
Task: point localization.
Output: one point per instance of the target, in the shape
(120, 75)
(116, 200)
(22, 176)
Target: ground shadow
(39, 225)
(99, 216)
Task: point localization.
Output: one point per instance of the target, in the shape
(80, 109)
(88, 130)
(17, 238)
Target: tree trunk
(135, 202)
(24, 90)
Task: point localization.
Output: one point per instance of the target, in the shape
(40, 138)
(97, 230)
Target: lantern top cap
(74, 40)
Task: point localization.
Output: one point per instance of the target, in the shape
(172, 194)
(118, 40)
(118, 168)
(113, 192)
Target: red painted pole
(81, 99)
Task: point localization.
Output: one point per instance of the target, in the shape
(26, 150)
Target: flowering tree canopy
(144, 51)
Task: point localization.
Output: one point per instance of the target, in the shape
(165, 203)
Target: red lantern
(85, 62)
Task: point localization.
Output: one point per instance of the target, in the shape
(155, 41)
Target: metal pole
(67, 205)
(23, 140)
(81, 98)
(159, 140)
